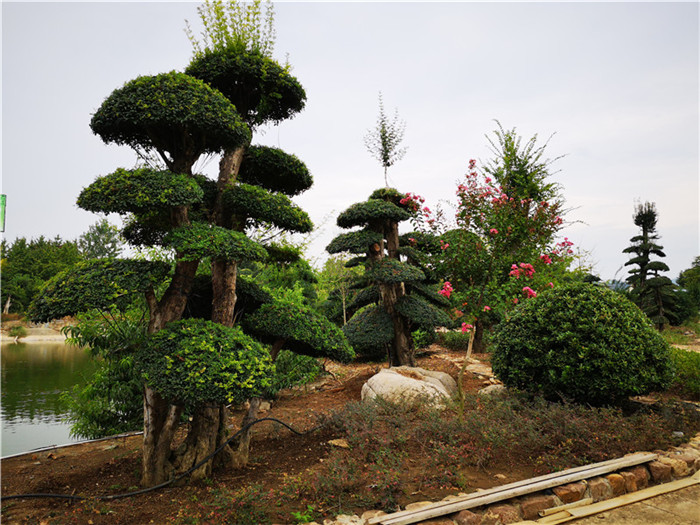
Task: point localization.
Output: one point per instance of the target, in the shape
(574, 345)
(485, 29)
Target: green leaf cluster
(371, 211)
(302, 330)
(171, 112)
(581, 342)
(104, 284)
(370, 331)
(421, 313)
(275, 170)
(200, 240)
(262, 206)
(139, 191)
(357, 242)
(261, 89)
(393, 271)
(197, 362)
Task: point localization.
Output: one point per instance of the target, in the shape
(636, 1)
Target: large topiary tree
(394, 299)
(581, 342)
(197, 364)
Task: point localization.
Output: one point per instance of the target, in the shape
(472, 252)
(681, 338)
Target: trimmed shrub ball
(583, 343)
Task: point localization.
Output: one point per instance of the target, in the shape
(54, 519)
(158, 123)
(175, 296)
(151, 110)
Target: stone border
(675, 463)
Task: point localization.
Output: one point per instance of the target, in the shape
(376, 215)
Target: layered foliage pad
(357, 242)
(370, 331)
(391, 271)
(421, 313)
(261, 89)
(302, 330)
(196, 362)
(428, 293)
(139, 191)
(260, 206)
(101, 284)
(371, 212)
(201, 240)
(581, 342)
(146, 111)
(275, 170)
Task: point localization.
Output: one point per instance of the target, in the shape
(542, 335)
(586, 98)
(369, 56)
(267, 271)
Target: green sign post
(3, 198)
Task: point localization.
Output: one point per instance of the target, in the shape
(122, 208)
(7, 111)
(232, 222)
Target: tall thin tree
(384, 140)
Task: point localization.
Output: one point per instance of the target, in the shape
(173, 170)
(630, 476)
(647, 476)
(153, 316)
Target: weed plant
(395, 449)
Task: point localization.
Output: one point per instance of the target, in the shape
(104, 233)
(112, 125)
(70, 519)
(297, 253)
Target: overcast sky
(617, 85)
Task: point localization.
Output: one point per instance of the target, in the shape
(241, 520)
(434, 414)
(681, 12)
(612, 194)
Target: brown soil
(113, 466)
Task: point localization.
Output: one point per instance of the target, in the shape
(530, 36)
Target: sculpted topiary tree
(197, 364)
(393, 300)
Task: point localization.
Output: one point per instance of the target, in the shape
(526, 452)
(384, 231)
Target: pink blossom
(515, 300)
(550, 284)
(529, 292)
(487, 308)
(493, 231)
(446, 289)
(546, 259)
(466, 327)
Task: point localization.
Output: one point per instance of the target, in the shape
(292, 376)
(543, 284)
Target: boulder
(403, 383)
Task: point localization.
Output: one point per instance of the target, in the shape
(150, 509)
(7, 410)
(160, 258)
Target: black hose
(166, 483)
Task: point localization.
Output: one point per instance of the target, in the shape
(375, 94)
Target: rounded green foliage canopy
(139, 191)
(421, 313)
(197, 362)
(369, 331)
(96, 284)
(393, 271)
(371, 211)
(260, 88)
(357, 242)
(581, 342)
(201, 240)
(171, 112)
(259, 205)
(275, 170)
(303, 331)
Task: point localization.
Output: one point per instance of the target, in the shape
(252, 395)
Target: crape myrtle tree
(652, 292)
(394, 297)
(384, 139)
(195, 364)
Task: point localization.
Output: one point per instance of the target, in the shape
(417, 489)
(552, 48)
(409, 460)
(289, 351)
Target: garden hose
(165, 483)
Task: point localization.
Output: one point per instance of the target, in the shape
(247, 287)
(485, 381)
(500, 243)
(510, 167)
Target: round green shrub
(195, 362)
(581, 342)
(370, 332)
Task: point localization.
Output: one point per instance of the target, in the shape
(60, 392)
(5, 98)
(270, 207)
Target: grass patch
(686, 382)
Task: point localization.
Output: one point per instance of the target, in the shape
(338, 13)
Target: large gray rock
(403, 383)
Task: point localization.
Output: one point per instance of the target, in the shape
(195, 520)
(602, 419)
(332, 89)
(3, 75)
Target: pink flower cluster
(444, 245)
(446, 289)
(413, 202)
(525, 269)
(564, 247)
(546, 258)
(467, 327)
(493, 231)
(529, 292)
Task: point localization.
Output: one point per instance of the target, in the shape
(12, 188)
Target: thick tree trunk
(201, 442)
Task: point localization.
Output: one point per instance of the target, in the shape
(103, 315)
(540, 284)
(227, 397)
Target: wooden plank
(554, 518)
(626, 499)
(552, 510)
(512, 490)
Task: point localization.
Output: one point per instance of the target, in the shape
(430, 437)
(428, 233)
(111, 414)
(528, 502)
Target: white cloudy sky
(616, 83)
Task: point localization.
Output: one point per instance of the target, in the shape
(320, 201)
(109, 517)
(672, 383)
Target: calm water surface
(34, 375)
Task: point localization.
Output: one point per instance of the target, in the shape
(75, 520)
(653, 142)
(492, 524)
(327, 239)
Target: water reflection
(33, 377)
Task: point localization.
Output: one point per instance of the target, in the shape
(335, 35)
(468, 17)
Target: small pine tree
(652, 292)
(393, 298)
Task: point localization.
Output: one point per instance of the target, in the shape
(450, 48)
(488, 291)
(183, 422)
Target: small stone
(600, 489)
(342, 443)
(660, 472)
(570, 492)
(630, 481)
(617, 482)
(345, 519)
(677, 434)
(532, 505)
(264, 406)
(506, 513)
(418, 505)
(467, 517)
(369, 514)
(500, 477)
(489, 518)
(679, 468)
(492, 390)
(641, 475)
(438, 521)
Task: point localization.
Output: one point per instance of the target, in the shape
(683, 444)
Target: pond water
(34, 375)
